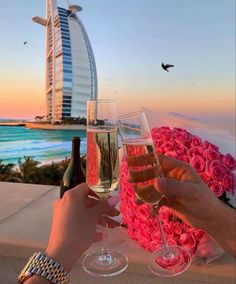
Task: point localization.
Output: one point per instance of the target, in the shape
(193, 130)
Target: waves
(42, 145)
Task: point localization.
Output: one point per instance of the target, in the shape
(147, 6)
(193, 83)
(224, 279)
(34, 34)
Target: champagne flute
(144, 169)
(102, 176)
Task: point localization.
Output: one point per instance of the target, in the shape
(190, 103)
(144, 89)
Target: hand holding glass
(144, 169)
(102, 176)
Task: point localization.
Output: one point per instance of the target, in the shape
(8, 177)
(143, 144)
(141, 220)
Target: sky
(130, 40)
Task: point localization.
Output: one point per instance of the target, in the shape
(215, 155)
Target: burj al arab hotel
(71, 77)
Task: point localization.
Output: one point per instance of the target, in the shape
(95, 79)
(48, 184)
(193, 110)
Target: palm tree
(51, 174)
(6, 171)
(27, 170)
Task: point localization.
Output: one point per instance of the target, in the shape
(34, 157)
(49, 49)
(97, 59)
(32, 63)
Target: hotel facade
(71, 77)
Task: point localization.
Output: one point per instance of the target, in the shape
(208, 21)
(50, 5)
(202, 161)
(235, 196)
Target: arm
(73, 228)
(223, 228)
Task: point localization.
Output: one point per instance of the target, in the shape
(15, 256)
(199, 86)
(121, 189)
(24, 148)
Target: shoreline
(12, 124)
(33, 125)
(44, 126)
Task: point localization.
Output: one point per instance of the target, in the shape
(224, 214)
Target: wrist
(211, 223)
(63, 257)
(41, 268)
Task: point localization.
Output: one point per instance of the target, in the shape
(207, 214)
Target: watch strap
(44, 266)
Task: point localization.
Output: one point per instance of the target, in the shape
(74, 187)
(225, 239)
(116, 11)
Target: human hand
(183, 190)
(74, 224)
(186, 193)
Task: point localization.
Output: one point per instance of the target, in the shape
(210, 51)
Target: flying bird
(166, 66)
(25, 42)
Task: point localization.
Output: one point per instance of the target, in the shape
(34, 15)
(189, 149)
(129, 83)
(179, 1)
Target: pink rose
(165, 128)
(208, 145)
(144, 238)
(171, 242)
(184, 158)
(198, 234)
(229, 182)
(196, 141)
(211, 154)
(129, 212)
(229, 161)
(168, 230)
(142, 212)
(187, 228)
(165, 214)
(180, 135)
(198, 163)
(195, 151)
(171, 154)
(154, 245)
(167, 146)
(215, 170)
(156, 235)
(177, 228)
(217, 188)
(188, 241)
(205, 177)
(141, 225)
(180, 149)
(166, 135)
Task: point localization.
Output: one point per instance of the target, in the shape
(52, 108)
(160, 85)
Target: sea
(42, 145)
(54, 145)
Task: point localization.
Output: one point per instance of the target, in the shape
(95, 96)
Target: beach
(42, 145)
(46, 143)
(45, 126)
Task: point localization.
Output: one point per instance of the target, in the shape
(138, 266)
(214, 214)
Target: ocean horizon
(46, 146)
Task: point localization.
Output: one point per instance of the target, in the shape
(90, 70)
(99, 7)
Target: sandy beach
(33, 125)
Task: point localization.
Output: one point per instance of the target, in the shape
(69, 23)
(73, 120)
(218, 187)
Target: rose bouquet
(215, 169)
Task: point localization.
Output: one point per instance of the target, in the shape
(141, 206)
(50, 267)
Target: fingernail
(113, 200)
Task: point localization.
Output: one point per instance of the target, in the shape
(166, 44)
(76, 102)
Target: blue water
(42, 145)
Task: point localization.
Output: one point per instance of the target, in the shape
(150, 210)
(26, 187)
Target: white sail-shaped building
(71, 77)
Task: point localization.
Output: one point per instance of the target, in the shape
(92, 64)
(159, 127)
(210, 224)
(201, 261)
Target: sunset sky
(130, 40)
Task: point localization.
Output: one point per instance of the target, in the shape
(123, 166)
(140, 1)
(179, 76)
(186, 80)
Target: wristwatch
(44, 266)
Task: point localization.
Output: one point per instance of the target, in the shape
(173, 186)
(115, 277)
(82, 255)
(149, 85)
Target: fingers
(147, 193)
(172, 187)
(93, 194)
(168, 164)
(90, 202)
(82, 190)
(111, 223)
(144, 175)
(166, 201)
(102, 207)
(141, 160)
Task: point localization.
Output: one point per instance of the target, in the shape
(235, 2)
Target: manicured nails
(113, 200)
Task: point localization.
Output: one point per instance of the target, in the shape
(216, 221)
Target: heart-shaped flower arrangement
(216, 170)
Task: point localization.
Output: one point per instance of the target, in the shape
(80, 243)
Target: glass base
(98, 264)
(171, 263)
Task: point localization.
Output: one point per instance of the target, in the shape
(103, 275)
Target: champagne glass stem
(168, 253)
(105, 259)
(104, 236)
